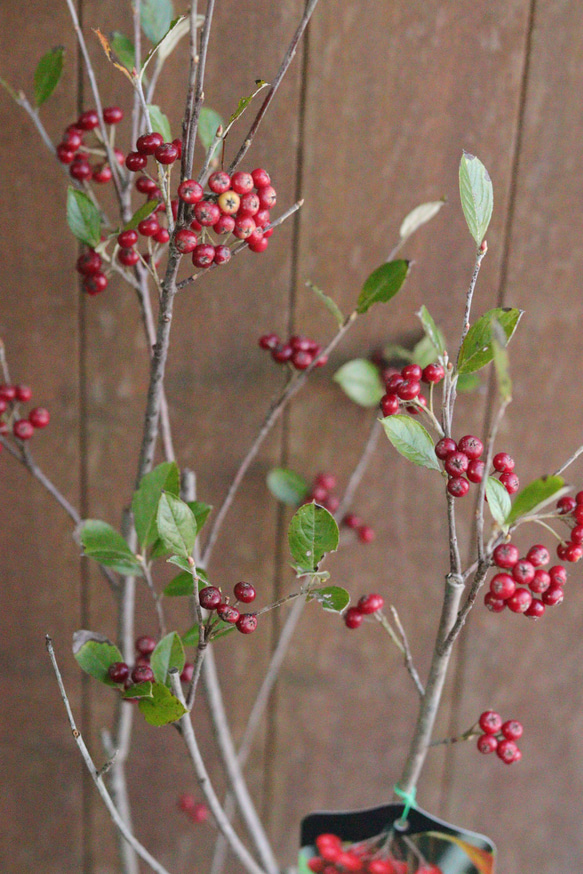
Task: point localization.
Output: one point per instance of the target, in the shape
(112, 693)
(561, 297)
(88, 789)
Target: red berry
(143, 674)
(326, 480)
(88, 120)
(178, 144)
(245, 592)
(506, 555)
(128, 257)
(502, 586)
(200, 812)
(536, 609)
(408, 389)
(523, 572)
(554, 595)
(249, 204)
(380, 866)
(186, 802)
(487, 743)
(353, 618)
(411, 371)
(145, 185)
(490, 722)
(112, 114)
(118, 672)
(89, 263)
(433, 373)
(573, 552)
(260, 178)
(260, 246)
(210, 597)
(162, 236)
(282, 353)
(520, 601)
(247, 623)
(262, 219)
(316, 865)
(475, 471)
(241, 183)
(566, 504)
(219, 182)
(148, 143)
(207, 213)
(512, 729)
(222, 254)
(187, 673)
(301, 360)
(185, 240)
(506, 751)
(370, 604)
(149, 226)
(126, 239)
(562, 551)
(22, 429)
(349, 862)
(503, 462)
(8, 392)
(167, 153)
(540, 582)
(135, 161)
(145, 645)
(203, 255)
(22, 393)
(351, 520)
(102, 174)
(366, 534)
(577, 534)
(510, 482)
(445, 447)
(456, 463)
(190, 191)
(269, 341)
(329, 846)
(538, 555)
(244, 227)
(95, 284)
(39, 417)
(458, 486)
(494, 605)
(472, 446)
(225, 225)
(558, 575)
(267, 196)
(228, 613)
(65, 154)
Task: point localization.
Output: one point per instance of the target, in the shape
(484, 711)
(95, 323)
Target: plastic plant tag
(376, 841)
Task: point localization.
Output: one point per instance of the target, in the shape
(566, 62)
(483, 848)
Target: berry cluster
(366, 606)
(197, 811)
(89, 265)
(404, 387)
(74, 151)
(521, 579)
(123, 675)
(23, 429)
(463, 457)
(572, 549)
(299, 351)
(365, 858)
(211, 598)
(500, 737)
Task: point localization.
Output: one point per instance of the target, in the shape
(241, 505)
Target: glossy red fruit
(244, 227)
(187, 673)
(503, 462)
(118, 672)
(23, 393)
(162, 236)
(223, 254)
(267, 197)
(89, 263)
(520, 601)
(247, 623)
(445, 447)
(185, 240)
(128, 257)
(73, 138)
(456, 463)
(536, 609)
(366, 534)
(389, 404)
(510, 482)
(502, 586)
(145, 645)
(411, 371)
(408, 389)
(301, 360)
(538, 555)
(506, 555)
(200, 812)
(210, 597)
(540, 582)
(249, 204)
(95, 284)
(316, 864)
(380, 866)
(260, 246)
(458, 486)
(494, 604)
(219, 182)
(553, 596)
(39, 417)
(475, 471)
(577, 534)
(167, 153)
(127, 239)
(487, 743)
(145, 185)
(349, 862)
(65, 154)
(186, 802)
(225, 225)
(242, 182)
(260, 177)
(574, 552)
(149, 226)
(112, 114)
(490, 722)
(471, 446)
(282, 353)
(143, 674)
(88, 120)
(207, 213)
(566, 504)
(203, 255)
(228, 613)
(22, 429)
(245, 592)
(135, 161)
(433, 373)
(269, 341)
(190, 191)
(328, 846)
(351, 520)
(523, 572)
(506, 751)
(102, 174)
(148, 143)
(512, 729)
(558, 575)
(370, 603)
(353, 617)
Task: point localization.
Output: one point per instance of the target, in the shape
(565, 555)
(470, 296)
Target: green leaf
(139, 690)
(535, 496)
(176, 524)
(164, 48)
(94, 654)
(476, 349)
(411, 439)
(382, 284)
(312, 533)
(140, 214)
(501, 363)
(162, 708)
(124, 49)
(432, 332)
(394, 351)
(180, 562)
(467, 382)
(498, 501)
(476, 194)
(330, 304)
(83, 217)
(104, 544)
(245, 101)
(333, 598)
(201, 512)
(168, 654)
(287, 486)
(182, 584)
(418, 217)
(47, 74)
(156, 17)
(361, 381)
(208, 122)
(164, 477)
(160, 123)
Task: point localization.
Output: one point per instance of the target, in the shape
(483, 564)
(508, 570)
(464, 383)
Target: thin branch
(287, 59)
(23, 101)
(360, 469)
(136, 12)
(155, 597)
(97, 776)
(195, 100)
(213, 802)
(291, 389)
(186, 162)
(407, 652)
(470, 294)
(569, 461)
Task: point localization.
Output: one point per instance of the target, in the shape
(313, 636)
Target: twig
(407, 652)
(196, 98)
(96, 774)
(186, 163)
(569, 461)
(470, 294)
(359, 470)
(213, 802)
(287, 59)
(157, 601)
(272, 416)
(23, 101)
(136, 11)
(233, 767)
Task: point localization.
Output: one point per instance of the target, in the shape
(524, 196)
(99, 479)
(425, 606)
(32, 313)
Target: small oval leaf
(156, 17)
(162, 708)
(104, 544)
(47, 74)
(83, 218)
(432, 332)
(476, 194)
(287, 486)
(498, 501)
(332, 598)
(168, 654)
(535, 496)
(312, 533)
(140, 214)
(418, 217)
(330, 304)
(382, 284)
(208, 123)
(124, 49)
(176, 524)
(412, 440)
(159, 121)
(476, 349)
(94, 654)
(361, 381)
(164, 477)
